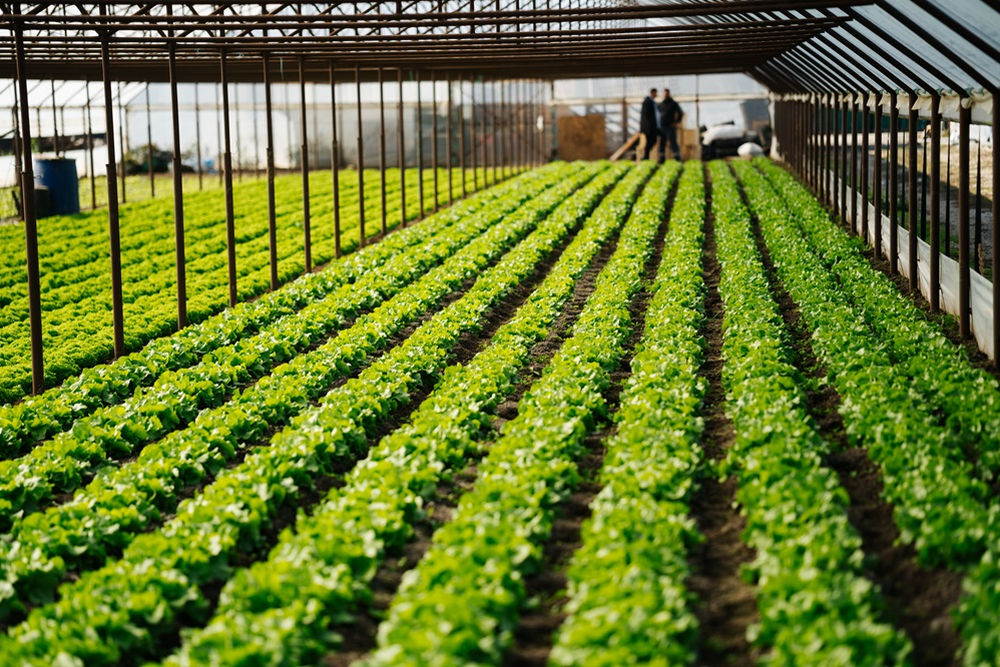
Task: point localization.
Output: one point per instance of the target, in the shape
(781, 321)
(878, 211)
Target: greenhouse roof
(790, 46)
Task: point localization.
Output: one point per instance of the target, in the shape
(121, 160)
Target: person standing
(649, 121)
(670, 119)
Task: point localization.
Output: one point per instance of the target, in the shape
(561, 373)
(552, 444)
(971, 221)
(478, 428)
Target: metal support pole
(272, 225)
(461, 134)
(334, 161)
(178, 193)
(493, 129)
(878, 177)
(149, 146)
(197, 139)
(864, 168)
(482, 124)
(911, 202)
(472, 135)
(55, 118)
(218, 138)
(845, 111)
(256, 134)
(854, 163)
(401, 151)
(117, 310)
(935, 204)
(420, 144)
(304, 168)
(995, 237)
(90, 154)
(227, 164)
(448, 142)
(239, 151)
(893, 183)
(361, 161)
(964, 278)
(434, 138)
(121, 140)
(381, 146)
(30, 219)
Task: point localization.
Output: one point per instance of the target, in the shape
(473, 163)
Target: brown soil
(919, 601)
(359, 637)
(727, 605)
(545, 590)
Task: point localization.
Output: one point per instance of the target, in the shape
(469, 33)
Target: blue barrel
(59, 176)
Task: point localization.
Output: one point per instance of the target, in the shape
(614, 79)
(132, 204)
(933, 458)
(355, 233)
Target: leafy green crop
(816, 606)
(126, 609)
(278, 610)
(627, 601)
(461, 602)
(76, 283)
(104, 516)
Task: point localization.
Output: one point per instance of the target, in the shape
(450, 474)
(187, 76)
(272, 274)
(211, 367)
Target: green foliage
(627, 601)
(816, 606)
(131, 606)
(461, 602)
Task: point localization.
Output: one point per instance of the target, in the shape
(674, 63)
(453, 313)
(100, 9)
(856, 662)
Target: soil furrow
(918, 600)
(546, 590)
(359, 637)
(726, 605)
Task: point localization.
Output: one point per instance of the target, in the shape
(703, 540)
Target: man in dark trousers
(649, 121)
(670, 120)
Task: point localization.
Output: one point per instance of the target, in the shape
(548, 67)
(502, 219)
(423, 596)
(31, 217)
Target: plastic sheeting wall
(981, 289)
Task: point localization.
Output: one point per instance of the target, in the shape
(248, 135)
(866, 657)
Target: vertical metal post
(844, 112)
(218, 138)
(304, 168)
(197, 138)
(272, 225)
(461, 133)
(30, 219)
(911, 202)
(361, 161)
(117, 314)
(420, 144)
(434, 138)
(55, 119)
(381, 146)
(493, 128)
(227, 165)
(935, 205)
(121, 139)
(472, 135)
(90, 154)
(149, 146)
(256, 134)
(482, 123)
(964, 279)
(893, 183)
(448, 142)
(179, 253)
(239, 151)
(854, 163)
(995, 236)
(334, 161)
(864, 168)
(878, 176)
(401, 151)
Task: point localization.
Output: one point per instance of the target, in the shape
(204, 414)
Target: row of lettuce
(103, 517)
(279, 609)
(126, 611)
(36, 418)
(926, 416)
(76, 282)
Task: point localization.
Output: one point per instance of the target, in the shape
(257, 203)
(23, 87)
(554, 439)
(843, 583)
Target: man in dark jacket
(649, 121)
(670, 119)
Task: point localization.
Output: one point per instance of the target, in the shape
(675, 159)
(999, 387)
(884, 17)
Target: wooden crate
(581, 137)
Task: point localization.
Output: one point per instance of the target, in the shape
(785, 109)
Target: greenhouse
(499, 333)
